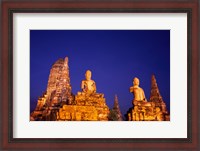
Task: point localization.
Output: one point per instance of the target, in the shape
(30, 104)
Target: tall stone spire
(155, 95)
(116, 103)
(59, 88)
(117, 116)
(53, 80)
(63, 90)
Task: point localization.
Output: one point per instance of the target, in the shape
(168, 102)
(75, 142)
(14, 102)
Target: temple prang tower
(57, 94)
(156, 97)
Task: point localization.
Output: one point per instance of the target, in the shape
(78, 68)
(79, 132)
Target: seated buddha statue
(139, 96)
(88, 86)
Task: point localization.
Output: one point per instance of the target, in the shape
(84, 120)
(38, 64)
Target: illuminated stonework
(58, 102)
(57, 94)
(77, 113)
(142, 110)
(87, 109)
(88, 105)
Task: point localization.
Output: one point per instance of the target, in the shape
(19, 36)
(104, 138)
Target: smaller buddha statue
(143, 110)
(139, 96)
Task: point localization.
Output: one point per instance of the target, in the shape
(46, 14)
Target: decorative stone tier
(81, 113)
(148, 113)
(96, 100)
(86, 108)
(77, 113)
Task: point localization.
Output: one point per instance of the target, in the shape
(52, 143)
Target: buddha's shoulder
(83, 81)
(93, 81)
(86, 81)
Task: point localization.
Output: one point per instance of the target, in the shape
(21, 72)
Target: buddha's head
(136, 81)
(88, 75)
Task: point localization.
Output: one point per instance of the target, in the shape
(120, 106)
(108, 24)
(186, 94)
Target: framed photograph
(100, 75)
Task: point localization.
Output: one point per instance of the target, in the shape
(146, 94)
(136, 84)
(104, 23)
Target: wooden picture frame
(87, 6)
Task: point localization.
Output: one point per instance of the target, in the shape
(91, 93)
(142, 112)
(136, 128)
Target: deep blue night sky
(115, 57)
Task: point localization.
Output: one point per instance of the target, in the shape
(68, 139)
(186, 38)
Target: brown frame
(191, 7)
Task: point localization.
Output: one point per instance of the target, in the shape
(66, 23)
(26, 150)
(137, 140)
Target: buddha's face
(88, 75)
(136, 81)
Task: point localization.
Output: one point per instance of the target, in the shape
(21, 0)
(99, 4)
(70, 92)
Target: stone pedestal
(87, 108)
(145, 113)
(77, 113)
